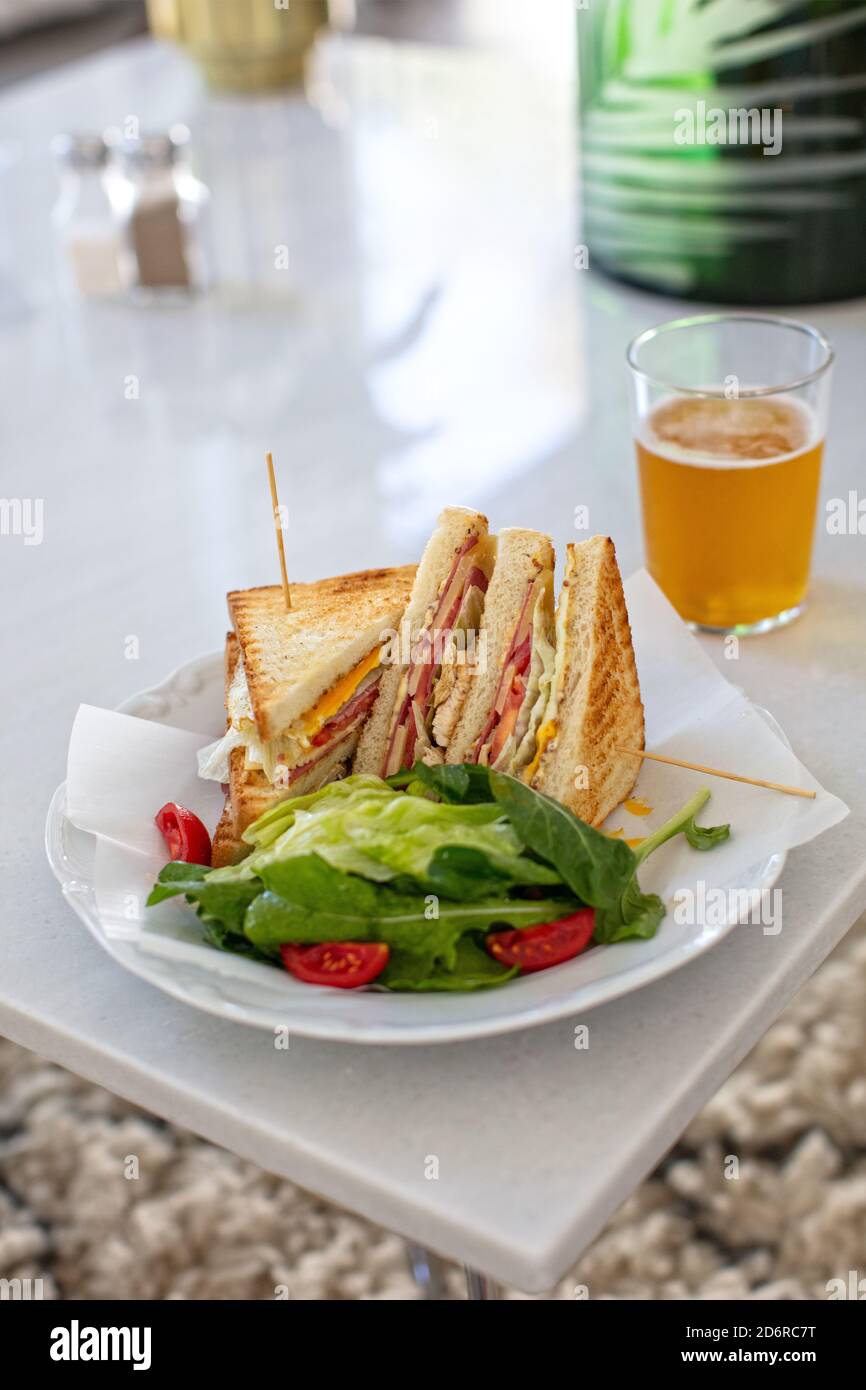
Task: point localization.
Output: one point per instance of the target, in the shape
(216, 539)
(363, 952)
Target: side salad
(454, 877)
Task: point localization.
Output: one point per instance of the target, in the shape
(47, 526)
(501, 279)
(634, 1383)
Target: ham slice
(302, 768)
(511, 689)
(414, 713)
(360, 705)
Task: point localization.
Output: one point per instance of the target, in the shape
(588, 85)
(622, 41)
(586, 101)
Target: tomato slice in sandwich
(507, 723)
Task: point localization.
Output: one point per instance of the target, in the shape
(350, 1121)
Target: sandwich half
(593, 703)
(300, 685)
(441, 622)
(506, 692)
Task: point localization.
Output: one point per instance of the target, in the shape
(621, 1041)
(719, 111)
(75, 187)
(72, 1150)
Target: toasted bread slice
(595, 692)
(226, 824)
(292, 658)
(454, 527)
(252, 794)
(522, 557)
(233, 651)
(250, 791)
(226, 846)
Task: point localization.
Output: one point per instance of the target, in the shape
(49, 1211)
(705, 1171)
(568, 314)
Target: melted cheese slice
(334, 699)
(546, 734)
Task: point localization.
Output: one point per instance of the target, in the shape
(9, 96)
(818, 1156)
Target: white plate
(264, 997)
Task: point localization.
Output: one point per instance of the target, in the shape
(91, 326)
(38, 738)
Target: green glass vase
(723, 146)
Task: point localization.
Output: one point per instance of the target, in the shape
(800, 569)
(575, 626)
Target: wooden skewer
(717, 772)
(287, 593)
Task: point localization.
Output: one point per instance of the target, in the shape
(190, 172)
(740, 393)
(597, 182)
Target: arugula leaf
(596, 868)
(698, 836)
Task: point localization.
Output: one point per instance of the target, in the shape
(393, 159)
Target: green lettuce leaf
(380, 834)
(308, 900)
(280, 817)
(429, 873)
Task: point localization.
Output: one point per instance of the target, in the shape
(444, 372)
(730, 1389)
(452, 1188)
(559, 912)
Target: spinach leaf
(636, 914)
(464, 873)
(457, 871)
(272, 921)
(216, 934)
(176, 877)
(596, 868)
(226, 902)
(308, 900)
(464, 784)
(216, 902)
(705, 836)
(698, 836)
(472, 969)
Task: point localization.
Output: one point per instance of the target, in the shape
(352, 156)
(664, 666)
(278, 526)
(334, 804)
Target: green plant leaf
(308, 900)
(636, 914)
(596, 868)
(472, 969)
(705, 836)
(462, 784)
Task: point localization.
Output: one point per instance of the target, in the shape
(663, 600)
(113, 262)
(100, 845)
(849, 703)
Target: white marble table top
(429, 342)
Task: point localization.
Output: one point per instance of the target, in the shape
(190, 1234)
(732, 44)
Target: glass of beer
(729, 413)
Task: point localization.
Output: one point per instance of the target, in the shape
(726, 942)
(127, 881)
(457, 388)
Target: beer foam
(715, 432)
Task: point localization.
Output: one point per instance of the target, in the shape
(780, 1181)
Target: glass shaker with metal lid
(162, 206)
(89, 239)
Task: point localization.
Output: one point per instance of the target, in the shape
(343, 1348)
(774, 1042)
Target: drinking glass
(729, 413)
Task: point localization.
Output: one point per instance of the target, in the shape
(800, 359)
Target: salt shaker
(85, 226)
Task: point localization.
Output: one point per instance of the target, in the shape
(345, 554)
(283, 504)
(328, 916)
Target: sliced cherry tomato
(183, 833)
(346, 964)
(550, 943)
